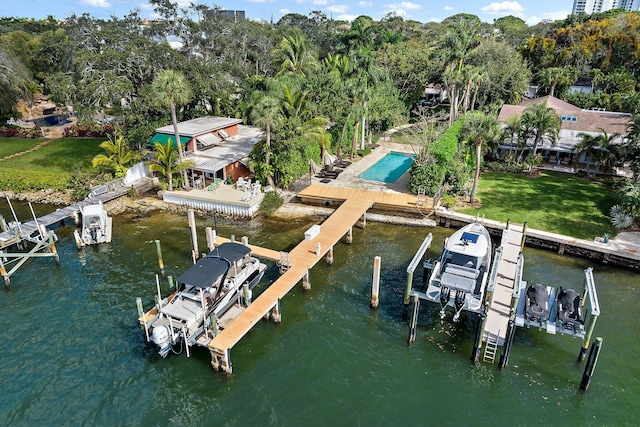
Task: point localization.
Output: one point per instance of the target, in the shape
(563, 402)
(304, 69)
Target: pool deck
(350, 177)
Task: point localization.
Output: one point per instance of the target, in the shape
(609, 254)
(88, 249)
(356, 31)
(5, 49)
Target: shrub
(448, 201)
(271, 202)
(432, 171)
(620, 218)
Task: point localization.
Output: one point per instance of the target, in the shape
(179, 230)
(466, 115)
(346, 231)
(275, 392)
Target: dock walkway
(500, 305)
(302, 258)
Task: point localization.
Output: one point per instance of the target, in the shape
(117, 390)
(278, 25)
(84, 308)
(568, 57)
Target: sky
(532, 11)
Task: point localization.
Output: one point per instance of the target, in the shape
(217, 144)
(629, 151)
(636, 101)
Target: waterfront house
(574, 122)
(219, 147)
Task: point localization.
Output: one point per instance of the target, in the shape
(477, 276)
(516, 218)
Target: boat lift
(43, 245)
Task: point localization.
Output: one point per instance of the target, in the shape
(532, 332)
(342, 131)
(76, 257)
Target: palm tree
(459, 42)
(477, 130)
(171, 88)
(267, 114)
(118, 158)
(543, 122)
(556, 76)
(295, 55)
(167, 162)
(631, 148)
(599, 148)
(510, 131)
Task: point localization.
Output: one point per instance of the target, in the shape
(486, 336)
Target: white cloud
(365, 3)
(348, 18)
(405, 5)
(448, 8)
(319, 2)
(260, 1)
(504, 8)
(96, 3)
(553, 16)
(338, 8)
(284, 11)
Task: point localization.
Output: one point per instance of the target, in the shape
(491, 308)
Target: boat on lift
(206, 291)
(459, 278)
(95, 226)
(537, 306)
(570, 310)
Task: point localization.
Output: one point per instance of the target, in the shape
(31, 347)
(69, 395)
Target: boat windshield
(464, 260)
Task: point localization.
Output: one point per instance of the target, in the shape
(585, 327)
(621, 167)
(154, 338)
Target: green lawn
(50, 166)
(64, 155)
(554, 202)
(10, 146)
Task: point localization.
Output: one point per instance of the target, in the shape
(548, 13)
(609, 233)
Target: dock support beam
(414, 318)
(221, 360)
(194, 236)
(591, 323)
(375, 286)
(275, 313)
(504, 358)
(350, 235)
(244, 240)
(591, 364)
(5, 276)
(330, 256)
(364, 220)
(160, 261)
(306, 281)
(477, 343)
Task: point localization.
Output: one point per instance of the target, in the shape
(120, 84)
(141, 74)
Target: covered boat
(95, 226)
(459, 278)
(206, 291)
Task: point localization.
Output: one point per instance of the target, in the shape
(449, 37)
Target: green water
(73, 353)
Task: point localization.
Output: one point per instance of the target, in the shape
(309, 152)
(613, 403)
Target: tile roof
(586, 120)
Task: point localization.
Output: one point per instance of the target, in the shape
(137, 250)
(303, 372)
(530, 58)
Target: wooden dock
(499, 311)
(301, 259)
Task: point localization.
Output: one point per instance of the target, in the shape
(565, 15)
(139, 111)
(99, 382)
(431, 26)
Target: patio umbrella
(328, 159)
(313, 168)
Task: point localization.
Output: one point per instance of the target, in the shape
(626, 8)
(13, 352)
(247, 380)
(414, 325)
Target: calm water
(73, 353)
(389, 168)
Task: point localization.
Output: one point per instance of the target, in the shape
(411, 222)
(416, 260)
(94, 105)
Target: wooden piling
(364, 220)
(160, 261)
(211, 238)
(330, 256)
(5, 276)
(306, 281)
(591, 364)
(375, 286)
(194, 236)
(350, 235)
(276, 315)
(246, 293)
(414, 318)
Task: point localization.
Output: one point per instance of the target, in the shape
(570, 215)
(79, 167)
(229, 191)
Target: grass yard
(554, 202)
(51, 166)
(64, 155)
(10, 146)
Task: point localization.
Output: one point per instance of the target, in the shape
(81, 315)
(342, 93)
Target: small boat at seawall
(206, 291)
(459, 278)
(95, 226)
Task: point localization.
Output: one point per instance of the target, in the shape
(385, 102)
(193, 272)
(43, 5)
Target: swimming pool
(389, 168)
(55, 120)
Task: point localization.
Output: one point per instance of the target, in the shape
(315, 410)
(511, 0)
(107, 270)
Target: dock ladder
(491, 348)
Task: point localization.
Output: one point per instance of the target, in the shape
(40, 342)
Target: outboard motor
(161, 336)
(458, 303)
(570, 308)
(445, 293)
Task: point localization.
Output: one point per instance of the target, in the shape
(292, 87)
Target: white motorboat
(95, 226)
(206, 291)
(459, 278)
